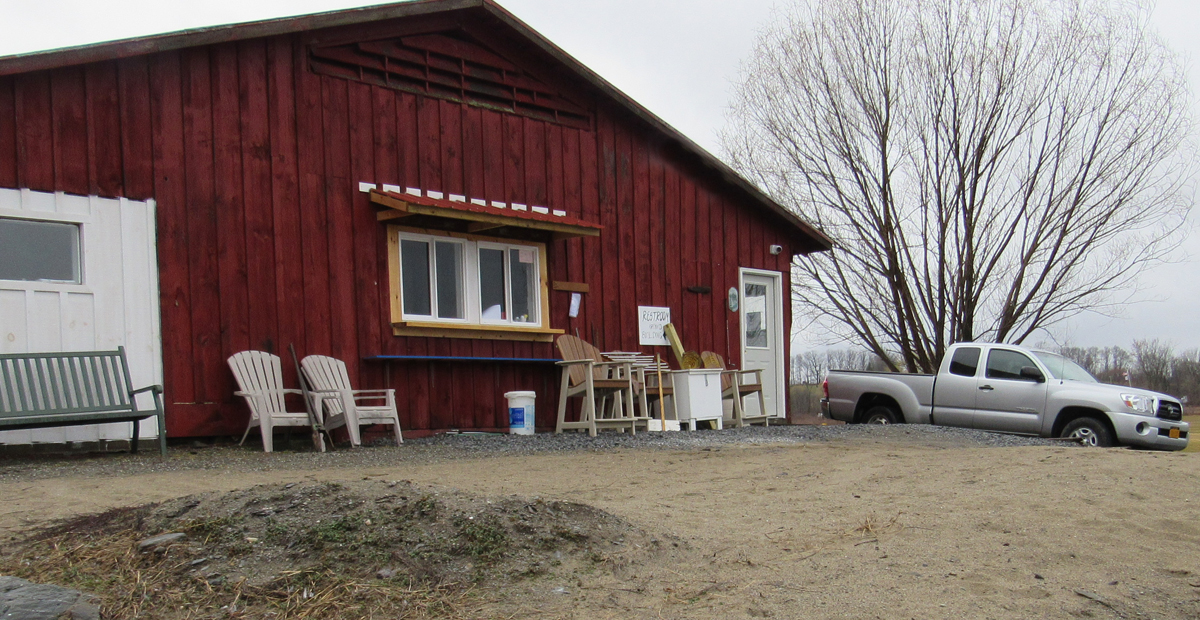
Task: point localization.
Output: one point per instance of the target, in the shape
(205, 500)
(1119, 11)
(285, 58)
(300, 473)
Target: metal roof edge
(225, 33)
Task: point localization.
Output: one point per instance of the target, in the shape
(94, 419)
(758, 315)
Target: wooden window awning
(469, 217)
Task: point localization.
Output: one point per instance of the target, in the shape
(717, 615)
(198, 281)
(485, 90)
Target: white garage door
(80, 274)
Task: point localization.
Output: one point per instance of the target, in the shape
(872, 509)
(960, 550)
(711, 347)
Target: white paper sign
(651, 321)
(575, 299)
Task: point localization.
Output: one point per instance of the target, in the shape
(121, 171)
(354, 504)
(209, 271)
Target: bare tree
(987, 168)
(1153, 361)
(810, 367)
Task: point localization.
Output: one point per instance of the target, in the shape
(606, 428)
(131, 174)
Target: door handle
(986, 388)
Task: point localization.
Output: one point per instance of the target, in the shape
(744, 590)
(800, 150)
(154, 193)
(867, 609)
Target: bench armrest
(371, 394)
(157, 389)
(355, 393)
(757, 372)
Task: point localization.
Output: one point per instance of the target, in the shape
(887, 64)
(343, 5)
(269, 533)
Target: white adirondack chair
(334, 398)
(260, 379)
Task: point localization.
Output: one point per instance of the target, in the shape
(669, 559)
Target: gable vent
(449, 66)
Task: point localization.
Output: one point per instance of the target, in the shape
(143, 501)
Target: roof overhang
(469, 217)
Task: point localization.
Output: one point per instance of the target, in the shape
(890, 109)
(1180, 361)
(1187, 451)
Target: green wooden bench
(42, 390)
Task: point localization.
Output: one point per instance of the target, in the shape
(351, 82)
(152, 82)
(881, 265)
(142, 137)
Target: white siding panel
(38, 201)
(68, 204)
(14, 330)
(44, 315)
(142, 332)
(103, 262)
(79, 334)
(14, 338)
(78, 322)
(103, 253)
(10, 199)
(16, 437)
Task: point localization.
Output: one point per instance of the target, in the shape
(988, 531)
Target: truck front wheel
(880, 415)
(1089, 432)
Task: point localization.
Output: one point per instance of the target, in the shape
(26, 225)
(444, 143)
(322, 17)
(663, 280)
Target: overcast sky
(678, 59)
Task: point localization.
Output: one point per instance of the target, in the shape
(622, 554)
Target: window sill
(474, 331)
(43, 287)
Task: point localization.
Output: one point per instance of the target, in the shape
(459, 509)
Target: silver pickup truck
(1006, 388)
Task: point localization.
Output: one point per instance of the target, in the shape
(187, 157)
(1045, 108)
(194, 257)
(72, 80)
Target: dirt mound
(326, 550)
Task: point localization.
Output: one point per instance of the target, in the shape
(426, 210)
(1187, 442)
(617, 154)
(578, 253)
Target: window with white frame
(464, 281)
(39, 251)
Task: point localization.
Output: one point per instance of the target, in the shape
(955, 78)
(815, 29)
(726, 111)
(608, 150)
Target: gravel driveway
(452, 446)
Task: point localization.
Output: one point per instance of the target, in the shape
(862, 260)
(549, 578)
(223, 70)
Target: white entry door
(762, 335)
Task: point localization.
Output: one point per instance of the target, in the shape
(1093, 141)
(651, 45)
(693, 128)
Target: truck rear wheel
(880, 414)
(1089, 431)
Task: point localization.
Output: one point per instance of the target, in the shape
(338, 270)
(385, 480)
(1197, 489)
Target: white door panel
(761, 313)
(115, 304)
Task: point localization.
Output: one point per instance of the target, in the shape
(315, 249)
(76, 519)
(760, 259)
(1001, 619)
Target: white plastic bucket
(520, 412)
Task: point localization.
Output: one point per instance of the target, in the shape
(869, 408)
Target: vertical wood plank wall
(265, 240)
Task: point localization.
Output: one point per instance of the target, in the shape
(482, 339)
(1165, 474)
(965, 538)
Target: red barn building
(245, 175)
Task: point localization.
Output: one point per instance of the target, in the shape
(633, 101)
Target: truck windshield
(1063, 368)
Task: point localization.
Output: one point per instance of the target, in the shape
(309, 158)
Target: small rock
(385, 573)
(561, 590)
(24, 600)
(289, 485)
(1038, 577)
(160, 541)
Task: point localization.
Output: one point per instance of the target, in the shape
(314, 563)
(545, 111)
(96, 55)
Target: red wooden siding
(265, 240)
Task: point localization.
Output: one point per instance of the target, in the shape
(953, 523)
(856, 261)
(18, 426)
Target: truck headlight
(1140, 403)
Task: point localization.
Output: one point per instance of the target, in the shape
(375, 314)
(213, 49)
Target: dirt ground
(870, 526)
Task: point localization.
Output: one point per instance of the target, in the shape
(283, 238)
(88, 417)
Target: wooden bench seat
(43, 390)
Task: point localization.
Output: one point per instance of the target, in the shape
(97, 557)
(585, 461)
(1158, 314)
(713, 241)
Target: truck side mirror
(1029, 372)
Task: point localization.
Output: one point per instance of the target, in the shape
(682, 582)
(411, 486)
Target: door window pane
(36, 251)
(414, 273)
(491, 285)
(523, 277)
(755, 307)
(965, 362)
(1004, 364)
(448, 257)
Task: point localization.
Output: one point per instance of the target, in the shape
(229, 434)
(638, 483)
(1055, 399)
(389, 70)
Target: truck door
(954, 391)
(1006, 401)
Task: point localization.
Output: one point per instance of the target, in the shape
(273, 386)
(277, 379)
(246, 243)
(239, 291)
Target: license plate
(1174, 434)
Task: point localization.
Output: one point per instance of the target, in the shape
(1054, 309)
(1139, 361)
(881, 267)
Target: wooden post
(676, 343)
(662, 403)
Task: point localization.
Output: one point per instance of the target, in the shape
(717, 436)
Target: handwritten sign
(651, 321)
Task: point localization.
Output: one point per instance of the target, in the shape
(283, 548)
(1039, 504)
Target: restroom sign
(651, 321)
